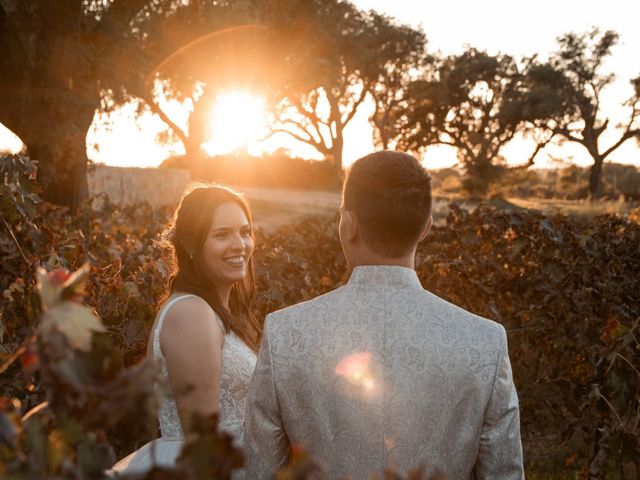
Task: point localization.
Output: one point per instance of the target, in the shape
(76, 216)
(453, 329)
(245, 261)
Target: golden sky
(516, 28)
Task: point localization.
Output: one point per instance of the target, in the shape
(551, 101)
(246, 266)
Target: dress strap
(157, 353)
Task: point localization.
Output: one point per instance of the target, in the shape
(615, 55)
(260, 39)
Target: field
(276, 207)
(565, 288)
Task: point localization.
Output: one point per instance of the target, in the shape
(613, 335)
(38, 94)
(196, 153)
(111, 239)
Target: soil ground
(273, 208)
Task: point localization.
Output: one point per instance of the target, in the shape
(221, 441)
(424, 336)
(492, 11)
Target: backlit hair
(390, 195)
(186, 235)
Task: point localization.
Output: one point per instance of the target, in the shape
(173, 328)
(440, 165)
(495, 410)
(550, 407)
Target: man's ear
(351, 225)
(426, 229)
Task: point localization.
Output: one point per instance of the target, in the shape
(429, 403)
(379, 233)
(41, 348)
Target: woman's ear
(189, 249)
(427, 227)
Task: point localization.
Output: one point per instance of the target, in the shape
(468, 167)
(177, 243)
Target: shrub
(275, 170)
(565, 288)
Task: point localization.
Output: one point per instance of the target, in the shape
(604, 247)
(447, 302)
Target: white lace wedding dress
(238, 363)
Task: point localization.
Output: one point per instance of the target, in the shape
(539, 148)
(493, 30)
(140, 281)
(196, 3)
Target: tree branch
(15, 240)
(301, 126)
(357, 103)
(627, 135)
(537, 150)
(450, 143)
(568, 135)
(311, 116)
(155, 108)
(308, 140)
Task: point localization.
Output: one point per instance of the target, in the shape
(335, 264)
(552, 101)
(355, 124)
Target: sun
(237, 120)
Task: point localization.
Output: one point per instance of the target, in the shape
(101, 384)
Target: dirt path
(273, 208)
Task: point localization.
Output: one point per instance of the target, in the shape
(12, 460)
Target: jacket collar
(384, 276)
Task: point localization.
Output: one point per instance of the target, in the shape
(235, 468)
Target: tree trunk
(199, 125)
(595, 178)
(480, 174)
(336, 153)
(337, 133)
(49, 100)
(195, 156)
(54, 130)
(61, 150)
(55, 135)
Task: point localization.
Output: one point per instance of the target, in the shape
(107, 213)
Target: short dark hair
(390, 195)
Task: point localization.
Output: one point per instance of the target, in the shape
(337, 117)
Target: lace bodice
(238, 363)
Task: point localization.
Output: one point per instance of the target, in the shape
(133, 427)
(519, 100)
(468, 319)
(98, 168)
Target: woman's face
(229, 244)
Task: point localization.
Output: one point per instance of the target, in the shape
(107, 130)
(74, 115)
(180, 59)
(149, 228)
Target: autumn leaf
(76, 322)
(73, 287)
(30, 360)
(59, 285)
(611, 331)
(49, 287)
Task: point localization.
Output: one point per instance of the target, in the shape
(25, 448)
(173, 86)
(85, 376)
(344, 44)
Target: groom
(381, 373)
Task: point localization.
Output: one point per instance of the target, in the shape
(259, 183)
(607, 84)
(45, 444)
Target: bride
(204, 337)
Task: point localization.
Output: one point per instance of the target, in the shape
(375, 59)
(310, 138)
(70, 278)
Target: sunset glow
(237, 120)
(9, 142)
(130, 137)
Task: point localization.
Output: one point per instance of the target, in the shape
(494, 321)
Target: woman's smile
(229, 244)
(237, 261)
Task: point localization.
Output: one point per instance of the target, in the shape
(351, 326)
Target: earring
(191, 256)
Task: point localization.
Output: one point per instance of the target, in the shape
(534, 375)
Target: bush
(275, 170)
(572, 182)
(565, 289)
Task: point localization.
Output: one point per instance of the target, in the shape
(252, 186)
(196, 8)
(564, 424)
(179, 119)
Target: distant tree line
(315, 61)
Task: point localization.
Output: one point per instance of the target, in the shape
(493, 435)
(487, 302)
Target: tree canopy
(58, 60)
(575, 74)
(316, 61)
(68, 60)
(340, 57)
(474, 102)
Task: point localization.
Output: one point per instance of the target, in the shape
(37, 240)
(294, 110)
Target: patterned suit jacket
(381, 373)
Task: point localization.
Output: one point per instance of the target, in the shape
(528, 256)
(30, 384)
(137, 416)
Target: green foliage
(565, 289)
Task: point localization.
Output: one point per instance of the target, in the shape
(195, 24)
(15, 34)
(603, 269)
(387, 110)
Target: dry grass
(581, 208)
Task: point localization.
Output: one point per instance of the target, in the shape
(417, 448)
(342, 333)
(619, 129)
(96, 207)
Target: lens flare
(356, 369)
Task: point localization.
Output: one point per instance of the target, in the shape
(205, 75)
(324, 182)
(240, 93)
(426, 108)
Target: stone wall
(157, 186)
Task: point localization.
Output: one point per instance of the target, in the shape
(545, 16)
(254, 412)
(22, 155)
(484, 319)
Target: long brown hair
(187, 232)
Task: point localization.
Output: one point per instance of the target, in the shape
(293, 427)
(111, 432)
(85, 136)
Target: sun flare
(237, 120)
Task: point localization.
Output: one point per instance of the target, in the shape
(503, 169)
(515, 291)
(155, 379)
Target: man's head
(386, 209)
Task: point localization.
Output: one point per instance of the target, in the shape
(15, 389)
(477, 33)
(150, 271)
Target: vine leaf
(76, 322)
(60, 293)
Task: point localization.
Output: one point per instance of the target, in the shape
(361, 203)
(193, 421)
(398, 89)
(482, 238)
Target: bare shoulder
(189, 320)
